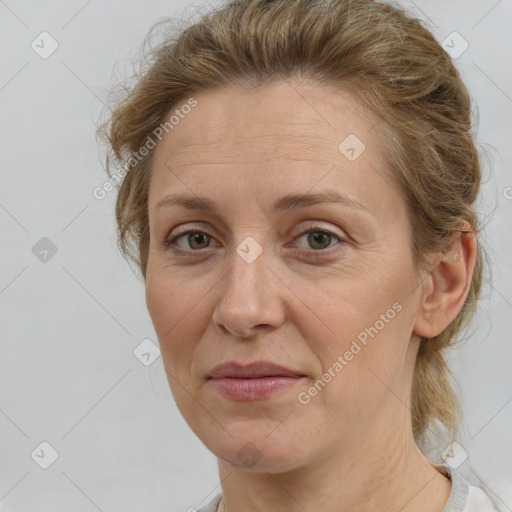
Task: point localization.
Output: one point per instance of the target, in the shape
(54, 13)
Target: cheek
(338, 310)
(359, 329)
(173, 306)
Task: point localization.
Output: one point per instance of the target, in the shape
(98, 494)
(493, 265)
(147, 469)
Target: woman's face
(326, 289)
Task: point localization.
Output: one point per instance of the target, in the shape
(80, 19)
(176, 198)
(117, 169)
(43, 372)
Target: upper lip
(254, 370)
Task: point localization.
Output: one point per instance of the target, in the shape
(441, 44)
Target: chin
(257, 449)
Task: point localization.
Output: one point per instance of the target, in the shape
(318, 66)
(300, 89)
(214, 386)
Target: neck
(374, 471)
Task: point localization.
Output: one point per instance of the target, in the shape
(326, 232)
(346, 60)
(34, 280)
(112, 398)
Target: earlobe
(446, 287)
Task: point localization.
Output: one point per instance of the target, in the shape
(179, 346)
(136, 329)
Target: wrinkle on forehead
(253, 149)
(276, 123)
(280, 127)
(280, 108)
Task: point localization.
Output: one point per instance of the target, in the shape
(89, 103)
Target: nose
(250, 299)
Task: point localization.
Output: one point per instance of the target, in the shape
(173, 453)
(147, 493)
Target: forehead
(286, 131)
(278, 117)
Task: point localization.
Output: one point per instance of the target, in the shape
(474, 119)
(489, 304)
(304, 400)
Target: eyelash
(171, 243)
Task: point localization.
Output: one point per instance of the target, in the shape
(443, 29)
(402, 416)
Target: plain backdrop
(74, 395)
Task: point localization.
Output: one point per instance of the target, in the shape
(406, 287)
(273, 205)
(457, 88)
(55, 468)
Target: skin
(351, 447)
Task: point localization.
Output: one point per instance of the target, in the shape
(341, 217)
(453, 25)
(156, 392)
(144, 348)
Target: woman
(297, 186)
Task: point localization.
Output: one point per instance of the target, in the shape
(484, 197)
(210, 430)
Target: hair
(394, 66)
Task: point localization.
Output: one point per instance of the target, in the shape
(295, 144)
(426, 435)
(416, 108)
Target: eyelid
(315, 226)
(312, 254)
(171, 243)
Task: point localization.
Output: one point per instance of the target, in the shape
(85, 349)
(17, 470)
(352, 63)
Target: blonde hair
(396, 68)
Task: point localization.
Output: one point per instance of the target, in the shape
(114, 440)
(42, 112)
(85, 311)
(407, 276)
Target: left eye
(317, 239)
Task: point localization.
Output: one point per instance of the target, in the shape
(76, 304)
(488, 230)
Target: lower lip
(253, 389)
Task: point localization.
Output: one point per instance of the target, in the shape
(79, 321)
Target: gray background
(70, 324)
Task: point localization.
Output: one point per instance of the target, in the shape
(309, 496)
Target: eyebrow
(288, 202)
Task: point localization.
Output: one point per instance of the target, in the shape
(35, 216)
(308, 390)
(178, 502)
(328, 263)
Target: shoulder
(465, 497)
(478, 501)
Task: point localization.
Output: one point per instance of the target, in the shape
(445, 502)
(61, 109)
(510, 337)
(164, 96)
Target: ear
(446, 287)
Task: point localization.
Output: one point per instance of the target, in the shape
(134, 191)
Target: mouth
(254, 381)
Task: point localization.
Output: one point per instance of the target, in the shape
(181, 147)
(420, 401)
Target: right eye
(192, 238)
